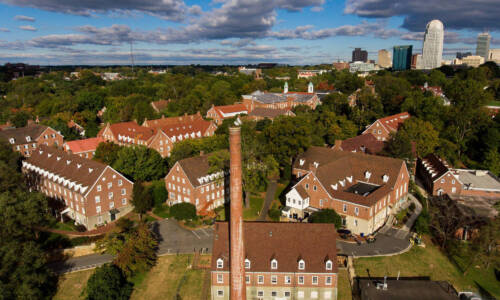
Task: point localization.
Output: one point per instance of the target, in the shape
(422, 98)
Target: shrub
(183, 211)
(108, 282)
(326, 216)
(274, 214)
(159, 193)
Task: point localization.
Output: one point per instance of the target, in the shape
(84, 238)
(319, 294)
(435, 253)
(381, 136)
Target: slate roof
(270, 98)
(162, 122)
(286, 242)
(364, 141)
(130, 129)
(19, 134)
(394, 122)
(85, 145)
(268, 112)
(70, 166)
(407, 289)
(197, 127)
(231, 109)
(334, 166)
(195, 167)
(436, 166)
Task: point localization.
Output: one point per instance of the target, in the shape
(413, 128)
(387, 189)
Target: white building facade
(433, 45)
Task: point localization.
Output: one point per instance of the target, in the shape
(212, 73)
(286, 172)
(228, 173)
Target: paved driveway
(172, 239)
(391, 242)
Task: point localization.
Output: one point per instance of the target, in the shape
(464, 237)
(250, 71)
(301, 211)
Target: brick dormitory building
(91, 193)
(26, 139)
(382, 128)
(160, 134)
(363, 189)
(266, 260)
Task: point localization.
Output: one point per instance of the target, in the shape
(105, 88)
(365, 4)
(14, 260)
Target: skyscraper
(401, 58)
(433, 45)
(483, 45)
(384, 58)
(359, 55)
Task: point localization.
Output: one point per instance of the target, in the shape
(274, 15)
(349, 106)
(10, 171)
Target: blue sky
(230, 31)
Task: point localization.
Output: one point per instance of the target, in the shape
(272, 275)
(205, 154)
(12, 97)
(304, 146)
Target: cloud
(238, 42)
(3, 29)
(317, 8)
(28, 28)
(24, 18)
(475, 15)
(173, 10)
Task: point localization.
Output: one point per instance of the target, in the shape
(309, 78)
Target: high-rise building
(359, 55)
(433, 45)
(494, 55)
(401, 58)
(384, 58)
(483, 45)
(416, 61)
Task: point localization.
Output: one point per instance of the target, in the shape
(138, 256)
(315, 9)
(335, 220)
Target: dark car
(344, 233)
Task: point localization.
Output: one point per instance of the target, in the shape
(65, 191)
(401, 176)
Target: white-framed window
(110, 185)
(124, 192)
(260, 293)
(329, 265)
(356, 211)
(247, 279)
(328, 280)
(274, 279)
(99, 220)
(220, 278)
(287, 294)
(453, 181)
(260, 279)
(97, 199)
(442, 180)
(98, 209)
(302, 265)
(124, 201)
(355, 222)
(274, 294)
(99, 188)
(315, 280)
(307, 186)
(301, 294)
(301, 279)
(453, 189)
(120, 182)
(344, 207)
(320, 202)
(315, 188)
(220, 263)
(110, 195)
(314, 295)
(247, 263)
(220, 293)
(111, 205)
(288, 279)
(274, 264)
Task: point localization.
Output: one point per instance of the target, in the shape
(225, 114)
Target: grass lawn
(68, 226)
(252, 213)
(429, 261)
(494, 103)
(162, 211)
(71, 285)
(344, 286)
(161, 282)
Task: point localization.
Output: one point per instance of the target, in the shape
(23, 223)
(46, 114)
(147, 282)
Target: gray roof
(19, 134)
(478, 179)
(407, 289)
(270, 98)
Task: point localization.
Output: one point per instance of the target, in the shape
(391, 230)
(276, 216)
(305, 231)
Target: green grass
(484, 278)
(70, 286)
(68, 226)
(494, 103)
(252, 213)
(344, 286)
(429, 261)
(162, 211)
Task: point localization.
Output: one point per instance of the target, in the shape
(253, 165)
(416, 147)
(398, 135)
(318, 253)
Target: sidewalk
(271, 190)
(411, 220)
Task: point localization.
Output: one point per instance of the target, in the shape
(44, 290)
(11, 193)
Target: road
(271, 190)
(172, 239)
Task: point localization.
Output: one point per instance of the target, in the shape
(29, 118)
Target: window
(124, 201)
(314, 295)
(274, 294)
(110, 195)
(97, 199)
(99, 188)
(220, 263)
(110, 185)
(453, 181)
(260, 279)
(99, 220)
(442, 180)
(247, 279)
(302, 265)
(274, 264)
(314, 188)
(453, 189)
(98, 209)
(328, 280)
(355, 222)
(328, 295)
(274, 279)
(120, 182)
(260, 294)
(247, 263)
(301, 294)
(345, 208)
(307, 186)
(124, 191)
(301, 279)
(287, 294)
(320, 202)
(329, 265)
(220, 293)
(288, 279)
(315, 280)
(356, 211)
(111, 205)
(220, 278)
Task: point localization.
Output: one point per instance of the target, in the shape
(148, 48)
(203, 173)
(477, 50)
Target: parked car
(344, 233)
(370, 239)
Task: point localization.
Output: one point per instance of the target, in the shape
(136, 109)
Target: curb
(382, 255)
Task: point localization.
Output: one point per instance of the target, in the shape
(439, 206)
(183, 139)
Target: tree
(20, 119)
(326, 215)
(183, 211)
(415, 131)
(108, 282)
(140, 163)
(141, 199)
(158, 192)
(107, 153)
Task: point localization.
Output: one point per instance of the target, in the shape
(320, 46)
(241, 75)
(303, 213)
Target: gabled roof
(85, 145)
(342, 169)
(20, 134)
(196, 169)
(364, 141)
(435, 166)
(130, 129)
(269, 112)
(194, 129)
(394, 122)
(285, 242)
(232, 109)
(162, 122)
(69, 166)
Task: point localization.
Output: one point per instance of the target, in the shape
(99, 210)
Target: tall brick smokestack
(237, 254)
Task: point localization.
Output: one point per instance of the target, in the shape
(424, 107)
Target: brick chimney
(237, 247)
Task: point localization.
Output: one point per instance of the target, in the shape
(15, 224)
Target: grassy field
(429, 261)
(252, 213)
(170, 274)
(344, 286)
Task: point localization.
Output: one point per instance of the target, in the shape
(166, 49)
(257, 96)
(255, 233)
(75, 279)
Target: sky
(296, 32)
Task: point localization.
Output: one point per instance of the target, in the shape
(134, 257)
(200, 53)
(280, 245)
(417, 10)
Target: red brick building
(365, 143)
(190, 181)
(282, 261)
(27, 139)
(219, 113)
(363, 189)
(382, 128)
(84, 148)
(91, 193)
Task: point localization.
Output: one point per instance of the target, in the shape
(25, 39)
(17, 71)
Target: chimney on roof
(237, 248)
(337, 145)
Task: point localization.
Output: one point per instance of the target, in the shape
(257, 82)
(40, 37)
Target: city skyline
(191, 32)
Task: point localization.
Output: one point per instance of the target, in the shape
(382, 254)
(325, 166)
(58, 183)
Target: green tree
(183, 211)
(419, 132)
(492, 161)
(326, 216)
(20, 119)
(141, 199)
(140, 163)
(107, 153)
(108, 282)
